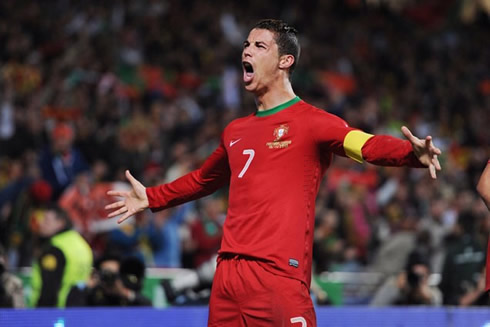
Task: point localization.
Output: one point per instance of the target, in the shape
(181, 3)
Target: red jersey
(274, 161)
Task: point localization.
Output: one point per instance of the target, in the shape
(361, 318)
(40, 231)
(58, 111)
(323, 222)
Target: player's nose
(246, 53)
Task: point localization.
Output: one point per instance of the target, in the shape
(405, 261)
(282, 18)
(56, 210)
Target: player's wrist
(146, 201)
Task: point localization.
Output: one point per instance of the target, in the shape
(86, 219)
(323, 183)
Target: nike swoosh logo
(233, 142)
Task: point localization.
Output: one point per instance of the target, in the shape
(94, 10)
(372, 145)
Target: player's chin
(250, 86)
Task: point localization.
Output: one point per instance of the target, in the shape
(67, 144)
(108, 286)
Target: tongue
(247, 77)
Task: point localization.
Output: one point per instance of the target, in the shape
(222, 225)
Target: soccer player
(483, 188)
(273, 161)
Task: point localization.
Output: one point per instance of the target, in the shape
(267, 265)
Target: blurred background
(89, 89)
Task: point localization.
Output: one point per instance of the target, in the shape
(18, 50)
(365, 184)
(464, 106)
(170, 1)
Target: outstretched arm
(387, 150)
(213, 174)
(483, 186)
(382, 150)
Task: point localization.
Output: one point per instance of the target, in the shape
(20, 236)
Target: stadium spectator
(65, 259)
(207, 230)
(192, 287)
(439, 224)
(132, 272)
(114, 282)
(206, 233)
(409, 287)
(327, 246)
(16, 226)
(126, 240)
(165, 237)
(393, 253)
(11, 291)
(61, 163)
(463, 266)
(83, 200)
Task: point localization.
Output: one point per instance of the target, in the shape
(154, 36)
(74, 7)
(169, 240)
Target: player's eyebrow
(246, 43)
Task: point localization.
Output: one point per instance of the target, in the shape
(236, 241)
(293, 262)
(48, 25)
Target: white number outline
(299, 320)
(251, 154)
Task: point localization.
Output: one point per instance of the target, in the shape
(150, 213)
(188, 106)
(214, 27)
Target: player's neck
(275, 96)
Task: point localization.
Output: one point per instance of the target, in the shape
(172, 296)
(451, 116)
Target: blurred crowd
(89, 89)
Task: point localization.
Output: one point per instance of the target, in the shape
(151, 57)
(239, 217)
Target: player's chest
(262, 136)
(264, 145)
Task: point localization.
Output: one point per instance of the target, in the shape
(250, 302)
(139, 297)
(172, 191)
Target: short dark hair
(60, 214)
(132, 273)
(108, 256)
(285, 37)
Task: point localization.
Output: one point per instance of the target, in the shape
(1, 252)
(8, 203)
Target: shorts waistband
(235, 256)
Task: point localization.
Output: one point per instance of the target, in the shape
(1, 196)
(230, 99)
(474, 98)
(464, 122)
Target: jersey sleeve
(213, 174)
(338, 137)
(386, 150)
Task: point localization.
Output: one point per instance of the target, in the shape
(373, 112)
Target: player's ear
(286, 61)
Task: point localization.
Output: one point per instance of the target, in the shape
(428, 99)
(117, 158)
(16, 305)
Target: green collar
(274, 110)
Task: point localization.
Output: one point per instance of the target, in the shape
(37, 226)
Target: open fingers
(118, 212)
(430, 145)
(436, 150)
(432, 171)
(408, 134)
(428, 142)
(124, 217)
(436, 163)
(123, 194)
(114, 205)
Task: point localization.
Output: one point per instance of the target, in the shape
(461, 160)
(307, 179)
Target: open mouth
(248, 72)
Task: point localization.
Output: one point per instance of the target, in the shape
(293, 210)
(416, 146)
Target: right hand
(133, 201)
(425, 151)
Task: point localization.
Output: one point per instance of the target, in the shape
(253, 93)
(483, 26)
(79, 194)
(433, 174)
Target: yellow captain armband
(353, 142)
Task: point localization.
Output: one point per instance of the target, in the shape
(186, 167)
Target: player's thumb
(134, 182)
(408, 134)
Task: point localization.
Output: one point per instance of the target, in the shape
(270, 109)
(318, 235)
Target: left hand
(425, 151)
(133, 201)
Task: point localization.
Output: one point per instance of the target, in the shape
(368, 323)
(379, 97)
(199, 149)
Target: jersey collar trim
(280, 107)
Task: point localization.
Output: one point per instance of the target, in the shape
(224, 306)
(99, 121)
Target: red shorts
(245, 294)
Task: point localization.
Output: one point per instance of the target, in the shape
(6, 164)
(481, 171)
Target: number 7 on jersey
(250, 153)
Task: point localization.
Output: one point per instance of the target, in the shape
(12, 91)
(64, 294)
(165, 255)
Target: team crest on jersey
(279, 133)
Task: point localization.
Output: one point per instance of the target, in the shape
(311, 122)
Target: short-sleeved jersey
(274, 162)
